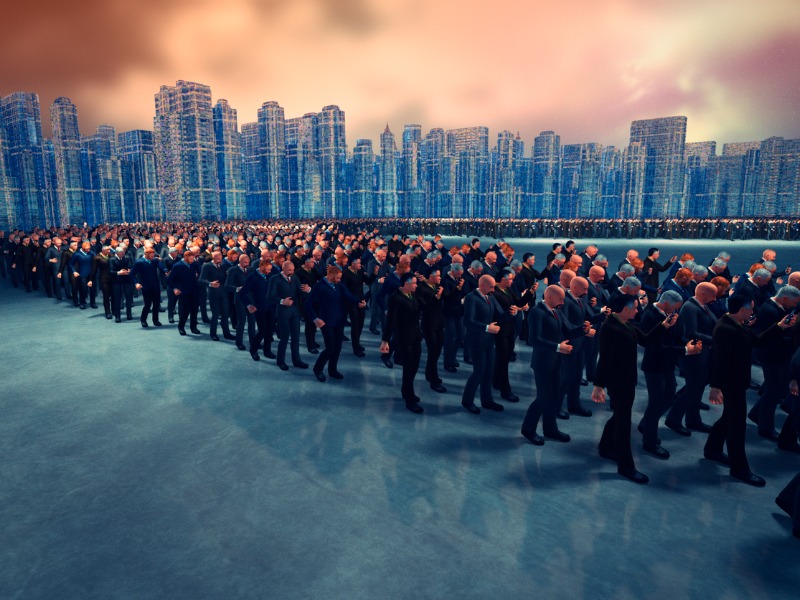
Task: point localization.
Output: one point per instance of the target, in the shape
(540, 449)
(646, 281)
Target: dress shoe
(563, 415)
(359, 353)
(632, 474)
(300, 364)
(283, 366)
(657, 451)
(83, 307)
(241, 346)
(513, 357)
(468, 361)
(319, 375)
(228, 336)
(214, 338)
(607, 454)
(450, 369)
(580, 412)
(158, 323)
(700, 427)
(129, 318)
(361, 348)
(255, 355)
(144, 323)
(534, 438)
(584, 383)
(118, 320)
(438, 388)
(386, 361)
(784, 505)
(269, 354)
(414, 408)
(182, 331)
(639, 428)
(374, 332)
(109, 316)
(313, 351)
(195, 330)
(172, 321)
(335, 375)
(509, 397)
(678, 428)
(749, 478)
(558, 436)
(769, 435)
(206, 320)
(717, 457)
(93, 305)
(493, 406)
(793, 447)
(471, 408)
(456, 364)
(704, 406)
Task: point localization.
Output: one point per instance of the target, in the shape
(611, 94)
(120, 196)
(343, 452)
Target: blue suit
(145, 273)
(326, 301)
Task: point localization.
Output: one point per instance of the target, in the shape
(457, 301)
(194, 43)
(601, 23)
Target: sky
(582, 68)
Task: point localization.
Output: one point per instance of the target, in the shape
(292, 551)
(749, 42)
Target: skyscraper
(136, 147)
(386, 200)
(435, 174)
(410, 199)
(469, 148)
(186, 151)
(332, 155)
(304, 181)
(272, 139)
(362, 180)
(7, 191)
(67, 145)
(698, 202)
(663, 141)
(580, 180)
(229, 162)
(546, 154)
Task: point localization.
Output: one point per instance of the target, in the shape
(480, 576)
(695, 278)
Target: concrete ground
(141, 464)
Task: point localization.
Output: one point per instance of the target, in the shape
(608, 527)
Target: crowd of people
(320, 285)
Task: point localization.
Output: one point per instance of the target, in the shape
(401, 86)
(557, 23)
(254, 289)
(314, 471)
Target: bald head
(794, 279)
(566, 278)
(705, 292)
(578, 286)
(597, 274)
(486, 284)
(553, 296)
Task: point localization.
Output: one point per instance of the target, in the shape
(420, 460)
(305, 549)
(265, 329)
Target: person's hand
(674, 258)
(793, 388)
(586, 326)
(593, 302)
(439, 293)
(715, 396)
(305, 288)
(384, 348)
(693, 347)
(787, 322)
(493, 328)
(75, 274)
(214, 284)
(287, 301)
(376, 269)
(89, 283)
(606, 310)
(138, 286)
(58, 276)
(598, 395)
(382, 279)
(251, 309)
(670, 320)
(513, 309)
(362, 304)
(591, 333)
(238, 289)
(565, 347)
(319, 323)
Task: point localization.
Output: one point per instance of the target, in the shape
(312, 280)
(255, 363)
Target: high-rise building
(698, 203)
(229, 162)
(272, 139)
(136, 147)
(67, 145)
(778, 184)
(304, 180)
(386, 199)
(663, 141)
(332, 156)
(469, 148)
(502, 185)
(186, 151)
(435, 174)
(361, 180)
(7, 191)
(546, 155)
(411, 199)
(21, 119)
(108, 193)
(580, 181)
(611, 169)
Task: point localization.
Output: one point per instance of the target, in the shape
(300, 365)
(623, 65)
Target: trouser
(5, 265)
(790, 497)
(187, 310)
(82, 284)
(504, 347)
(234, 314)
(570, 379)
(411, 354)
(791, 426)
(58, 284)
(332, 336)
(172, 303)
(687, 400)
(219, 313)
(616, 437)
(729, 430)
(123, 290)
(482, 371)
(107, 295)
(265, 324)
(244, 317)
(27, 277)
(289, 330)
(13, 271)
(453, 339)
(311, 334)
(376, 315)
(357, 316)
(545, 405)
(661, 386)
(590, 348)
(152, 301)
(775, 389)
(47, 278)
(434, 341)
(202, 301)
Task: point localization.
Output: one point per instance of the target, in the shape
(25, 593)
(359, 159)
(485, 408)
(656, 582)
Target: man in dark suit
(308, 277)
(510, 305)
(66, 274)
(577, 313)
(730, 379)
(212, 277)
(81, 267)
(52, 261)
(235, 279)
(453, 314)
(697, 323)
(377, 270)
(254, 294)
(25, 262)
(429, 294)
(598, 298)
(121, 284)
(616, 371)
(145, 274)
(480, 322)
(353, 278)
(172, 300)
(402, 329)
(183, 283)
(102, 273)
(548, 336)
(284, 294)
(651, 270)
(325, 305)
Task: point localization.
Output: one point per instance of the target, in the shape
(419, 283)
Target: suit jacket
(505, 300)
(146, 273)
(402, 320)
(255, 291)
(662, 354)
(670, 284)
(452, 298)
(116, 264)
(652, 278)
(478, 313)
(279, 289)
(750, 290)
(697, 323)
(575, 313)
(778, 346)
(617, 365)
(730, 367)
(184, 276)
(209, 273)
(326, 303)
(100, 265)
(81, 263)
(545, 333)
(431, 308)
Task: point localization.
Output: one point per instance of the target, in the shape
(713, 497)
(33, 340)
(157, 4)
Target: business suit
(453, 317)
(696, 322)
(172, 299)
(217, 297)
(183, 277)
(354, 281)
(574, 313)
(81, 263)
(592, 345)
(651, 278)
(102, 274)
(287, 316)
(310, 278)
(480, 311)
(52, 262)
(255, 292)
(546, 332)
(67, 276)
(326, 301)
(234, 280)
(505, 338)
(617, 372)
(402, 326)
(146, 273)
(432, 323)
(121, 286)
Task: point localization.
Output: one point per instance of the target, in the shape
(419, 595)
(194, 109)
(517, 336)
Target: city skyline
(584, 69)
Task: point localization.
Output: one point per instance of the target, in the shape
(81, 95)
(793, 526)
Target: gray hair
(434, 254)
(719, 263)
(788, 291)
(671, 297)
(699, 270)
(724, 255)
(516, 264)
(627, 269)
(456, 267)
(770, 266)
(762, 274)
(559, 256)
(689, 264)
(630, 283)
(600, 258)
(475, 265)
